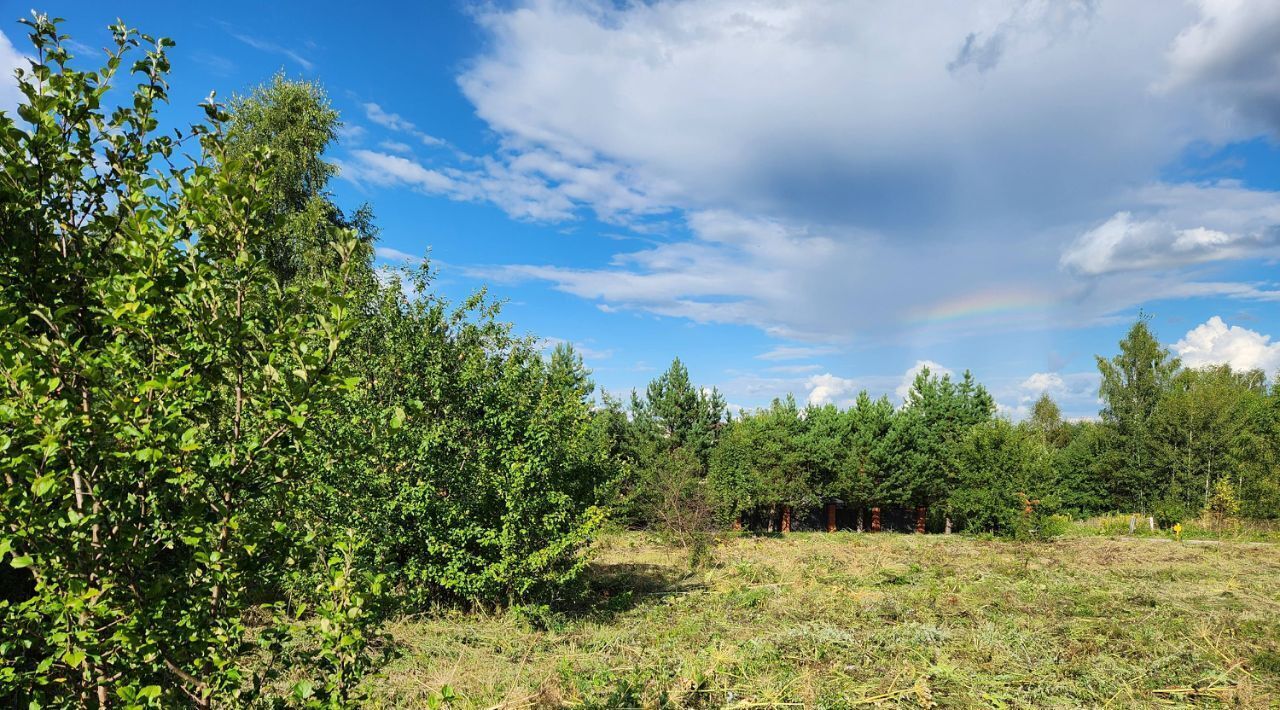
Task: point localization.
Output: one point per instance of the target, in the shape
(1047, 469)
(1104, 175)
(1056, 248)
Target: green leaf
(42, 485)
(20, 561)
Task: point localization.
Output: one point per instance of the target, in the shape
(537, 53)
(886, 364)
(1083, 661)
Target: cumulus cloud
(1076, 393)
(1215, 343)
(828, 110)
(1181, 225)
(799, 166)
(909, 377)
(829, 389)
(811, 130)
(1232, 55)
(1044, 382)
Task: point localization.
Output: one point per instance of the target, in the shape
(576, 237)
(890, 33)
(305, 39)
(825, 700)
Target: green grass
(847, 620)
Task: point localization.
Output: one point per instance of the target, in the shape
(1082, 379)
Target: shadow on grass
(614, 588)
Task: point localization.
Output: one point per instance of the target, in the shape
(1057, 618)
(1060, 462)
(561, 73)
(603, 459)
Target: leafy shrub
(157, 379)
(466, 459)
(1169, 511)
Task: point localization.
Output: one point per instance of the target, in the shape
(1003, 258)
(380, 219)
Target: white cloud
(1181, 225)
(1214, 342)
(352, 134)
(384, 169)
(802, 147)
(10, 60)
(396, 147)
(586, 351)
(829, 389)
(389, 254)
(794, 352)
(1076, 393)
(909, 377)
(829, 109)
(398, 123)
(800, 166)
(273, 48)
(1044, 382)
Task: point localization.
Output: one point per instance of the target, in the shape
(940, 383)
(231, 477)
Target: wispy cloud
(395, 255)
(794, 352)
(396, 122)
(586, 351)
(269, 47)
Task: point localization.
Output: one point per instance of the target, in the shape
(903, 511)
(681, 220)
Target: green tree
(1132, 384)
(1000, 469)
(868, 460)
(291, 124)
(1080, 471)
(1046, 422)
(922, 442)
(679, 415)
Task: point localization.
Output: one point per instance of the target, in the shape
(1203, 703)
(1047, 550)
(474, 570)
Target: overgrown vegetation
(211, 403)
(234, 451)
(846, 620)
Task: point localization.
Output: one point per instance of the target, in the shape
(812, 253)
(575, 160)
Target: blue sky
(810, 197)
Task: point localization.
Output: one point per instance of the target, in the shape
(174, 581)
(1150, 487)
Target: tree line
(1169, 442)
(214, 402)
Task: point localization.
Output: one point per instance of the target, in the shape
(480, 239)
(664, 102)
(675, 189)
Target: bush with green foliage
(157, 382)
(466, 460)
(1001, 470)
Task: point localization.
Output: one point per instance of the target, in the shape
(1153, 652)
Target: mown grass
(847, 620)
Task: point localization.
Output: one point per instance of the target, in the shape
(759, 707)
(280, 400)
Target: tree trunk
(859, 519)
(831, 517)
(920, 517)
(737, 523)
(773, 517)
(786, 518)
(946, 529)
(875, 520)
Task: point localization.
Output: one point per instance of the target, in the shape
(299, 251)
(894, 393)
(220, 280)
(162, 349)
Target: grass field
(849, 620)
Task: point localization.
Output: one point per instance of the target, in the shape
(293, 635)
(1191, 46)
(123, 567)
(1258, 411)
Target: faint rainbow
(981, 304)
